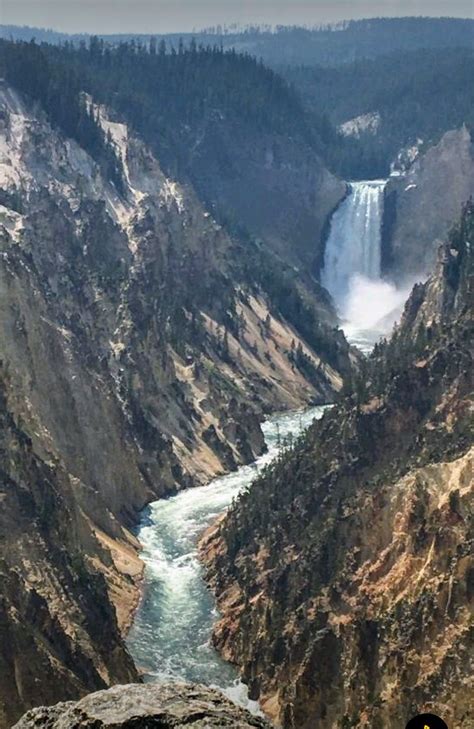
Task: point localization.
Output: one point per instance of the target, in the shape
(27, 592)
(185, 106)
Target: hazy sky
(161, 16)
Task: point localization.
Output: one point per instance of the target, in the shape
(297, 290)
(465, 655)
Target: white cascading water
(367, 304)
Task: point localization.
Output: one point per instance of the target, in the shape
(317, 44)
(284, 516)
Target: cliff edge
(173, 706)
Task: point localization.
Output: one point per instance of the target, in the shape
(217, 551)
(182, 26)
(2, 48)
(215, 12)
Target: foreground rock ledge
(152, 705)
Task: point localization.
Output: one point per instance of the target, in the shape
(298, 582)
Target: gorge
(170, 636)
(139, 311)
(232, 490)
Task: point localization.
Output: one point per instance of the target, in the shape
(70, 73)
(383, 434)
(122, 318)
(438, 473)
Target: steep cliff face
(423, 204)
(58, 627)
(221, 121)
(161, 707)
(344, 575)
(137, 357)
(274, 186)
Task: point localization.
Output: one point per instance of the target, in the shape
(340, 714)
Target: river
(170, 636)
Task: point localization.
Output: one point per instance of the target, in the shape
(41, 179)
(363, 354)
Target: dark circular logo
(426, 721)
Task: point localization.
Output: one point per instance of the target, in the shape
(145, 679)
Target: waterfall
(354, 243)
(367, 304)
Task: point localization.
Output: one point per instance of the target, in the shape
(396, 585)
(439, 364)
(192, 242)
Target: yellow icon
(426, 726)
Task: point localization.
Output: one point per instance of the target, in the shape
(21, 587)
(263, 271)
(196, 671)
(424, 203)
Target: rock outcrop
(423, 204)
(136, 357)
(174, 706)
(344, 574)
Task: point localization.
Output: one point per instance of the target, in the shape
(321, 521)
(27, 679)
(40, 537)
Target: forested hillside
(344, 574)
(220, 120)
(175, 94)
(416, 96)
(160, 91)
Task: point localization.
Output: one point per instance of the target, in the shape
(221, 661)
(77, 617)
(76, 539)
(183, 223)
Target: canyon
(137, 358)
(196, 335)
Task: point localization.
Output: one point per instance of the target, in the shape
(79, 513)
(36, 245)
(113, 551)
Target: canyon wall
(274, 186)
(422, 205)
(137, 356)
(344, 575)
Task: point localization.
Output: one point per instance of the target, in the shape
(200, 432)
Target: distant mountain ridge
(292, 45)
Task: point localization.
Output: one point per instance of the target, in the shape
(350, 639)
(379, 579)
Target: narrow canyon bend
(170, 635)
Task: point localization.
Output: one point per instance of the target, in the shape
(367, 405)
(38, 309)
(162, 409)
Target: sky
(166, 16)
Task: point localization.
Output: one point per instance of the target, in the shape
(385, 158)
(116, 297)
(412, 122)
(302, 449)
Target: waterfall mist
(367, 304)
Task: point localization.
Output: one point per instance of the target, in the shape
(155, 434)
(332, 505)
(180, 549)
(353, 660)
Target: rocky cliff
(422, 205)
(161, 707)
(139, 347)
(344, 575)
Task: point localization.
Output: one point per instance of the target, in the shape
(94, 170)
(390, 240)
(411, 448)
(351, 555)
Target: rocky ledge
(175, 705)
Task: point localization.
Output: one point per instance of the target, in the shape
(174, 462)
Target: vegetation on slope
(58, 89)
(160, 91)
(415, 72)
(169, 93)
(165, 95)
(388, 376)
(418, 95)
(291, 561)
(218, 119)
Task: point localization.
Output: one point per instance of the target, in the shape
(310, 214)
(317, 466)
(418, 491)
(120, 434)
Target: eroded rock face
(173, 706)
(422, 205)
(344, 574)
(135, 359)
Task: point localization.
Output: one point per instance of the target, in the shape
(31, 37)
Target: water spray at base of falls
(367, 304)
(371, 309)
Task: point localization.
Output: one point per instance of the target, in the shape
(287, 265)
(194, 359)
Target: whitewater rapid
(170, 636)
(352, 273)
